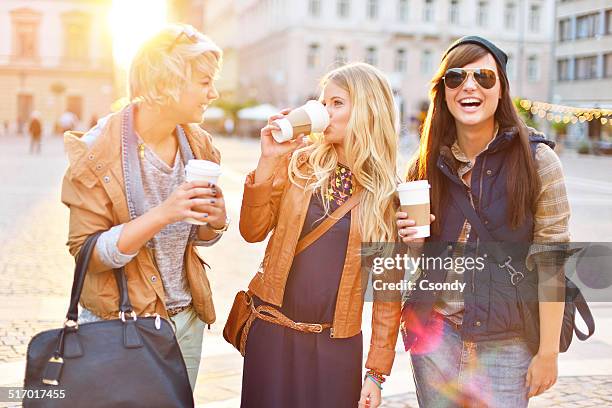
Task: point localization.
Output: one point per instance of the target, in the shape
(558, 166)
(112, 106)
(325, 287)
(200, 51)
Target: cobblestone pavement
(15, 335)
(569, 392)
(36, 274)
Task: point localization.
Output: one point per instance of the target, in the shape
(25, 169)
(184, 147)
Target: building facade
(284, 47)
(55, 57)
(583, 61)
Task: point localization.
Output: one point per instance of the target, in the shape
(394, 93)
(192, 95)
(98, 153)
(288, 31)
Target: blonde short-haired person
(127, 178)
(291, 192)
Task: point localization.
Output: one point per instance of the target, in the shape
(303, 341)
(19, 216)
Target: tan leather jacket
(93, 190)
(280, 206)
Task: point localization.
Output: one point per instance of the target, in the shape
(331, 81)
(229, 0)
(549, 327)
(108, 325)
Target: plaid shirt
(551, 221)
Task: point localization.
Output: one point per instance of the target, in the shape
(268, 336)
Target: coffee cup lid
(414, 185)
(203, 166)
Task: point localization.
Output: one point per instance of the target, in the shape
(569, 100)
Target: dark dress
(286, 368)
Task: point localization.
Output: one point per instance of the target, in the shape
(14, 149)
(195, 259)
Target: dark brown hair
(523, 185)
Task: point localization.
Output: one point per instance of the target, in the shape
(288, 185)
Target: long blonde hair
(370, 145)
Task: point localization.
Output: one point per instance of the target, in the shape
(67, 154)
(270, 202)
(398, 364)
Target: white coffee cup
(414, 200)
(201, 170)
(311, 117)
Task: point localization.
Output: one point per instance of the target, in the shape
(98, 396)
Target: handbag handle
(80, 270)
(470, 213)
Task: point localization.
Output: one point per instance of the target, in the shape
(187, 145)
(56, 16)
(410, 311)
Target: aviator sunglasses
(455, 77)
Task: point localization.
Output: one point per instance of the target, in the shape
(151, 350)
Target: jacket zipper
(484, 161)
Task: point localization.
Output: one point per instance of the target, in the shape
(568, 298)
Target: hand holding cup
(414, 217)
(270, 148)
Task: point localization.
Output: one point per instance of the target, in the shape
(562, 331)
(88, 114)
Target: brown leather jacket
(93, 189)
(280, 206)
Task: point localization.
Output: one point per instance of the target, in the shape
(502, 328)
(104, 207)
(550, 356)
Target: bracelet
(221, 230)
(376, 377)
(374, 380)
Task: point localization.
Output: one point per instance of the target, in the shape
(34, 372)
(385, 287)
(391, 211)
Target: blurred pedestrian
(228, 125)
(67, 121)
(35, 129)
(93, 121)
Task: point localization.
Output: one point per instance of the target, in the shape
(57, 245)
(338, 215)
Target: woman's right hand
(179, 205)
(404, 229)
(270, 148)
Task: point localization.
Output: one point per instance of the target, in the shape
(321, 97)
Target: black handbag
(527, 289)
(127, 362)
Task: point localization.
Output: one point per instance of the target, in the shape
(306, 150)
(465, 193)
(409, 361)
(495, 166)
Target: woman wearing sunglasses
(127, 178)
(468, 348)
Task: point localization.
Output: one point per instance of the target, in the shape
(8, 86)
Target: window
(402, 10)
(586, 67)
(534, 18)
(372, 10)
(312, 59)
(426, 62)
(341, 54)
(344, 8)
(428, 11)
(483, 13)
(609, 22)
(371, 56)
(510, 70)
(586, 26)
(533, 69)
(26, 42)
(565, 29)
(563, 73)
(453, 12)
(608, 65)
(510, 16)
(25, 24)
(314, 8)
(400, 60)
(77, 41)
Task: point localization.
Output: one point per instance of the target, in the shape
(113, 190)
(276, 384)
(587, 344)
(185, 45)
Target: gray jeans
(450, 373)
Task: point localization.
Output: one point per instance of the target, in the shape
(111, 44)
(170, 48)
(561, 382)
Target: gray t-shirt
(159, 181)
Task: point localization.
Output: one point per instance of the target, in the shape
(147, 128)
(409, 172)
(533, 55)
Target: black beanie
(499, 55)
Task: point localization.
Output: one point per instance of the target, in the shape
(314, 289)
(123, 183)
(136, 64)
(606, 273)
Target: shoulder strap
(468, 211)
(327, 223)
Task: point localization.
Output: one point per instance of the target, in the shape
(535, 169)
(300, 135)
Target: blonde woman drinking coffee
(312, 356)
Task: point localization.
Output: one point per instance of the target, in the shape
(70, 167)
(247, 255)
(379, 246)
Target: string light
(566, 114)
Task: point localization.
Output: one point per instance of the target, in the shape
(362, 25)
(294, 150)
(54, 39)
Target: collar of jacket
(93, 157)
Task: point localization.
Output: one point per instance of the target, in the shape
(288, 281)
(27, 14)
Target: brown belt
(273, 315)
(176, 310)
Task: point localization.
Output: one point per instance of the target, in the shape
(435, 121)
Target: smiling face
(337, 101)
(195, 98)
(471, 104)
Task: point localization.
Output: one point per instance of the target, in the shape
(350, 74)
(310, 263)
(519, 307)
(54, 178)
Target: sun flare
(131, 22)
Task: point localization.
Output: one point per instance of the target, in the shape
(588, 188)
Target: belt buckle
(315, 327)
